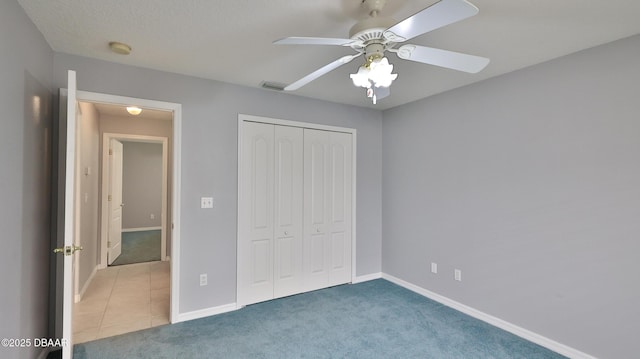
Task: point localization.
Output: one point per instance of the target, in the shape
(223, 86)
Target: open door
(67, 160)
(114, 245)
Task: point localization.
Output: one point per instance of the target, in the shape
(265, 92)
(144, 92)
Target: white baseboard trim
(140, 229)
(207, 312)
(78, 297)
(366, 277)
(497, 322)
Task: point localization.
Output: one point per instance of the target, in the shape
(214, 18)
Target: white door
(339, 216)
(287, 271)
(114, 244)
(316, 198)
(327, 212)
(69, 216)
(295, 210)
(255, 227)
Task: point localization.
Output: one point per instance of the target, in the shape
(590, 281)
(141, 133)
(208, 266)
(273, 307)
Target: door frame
(274, 121)
(104, 189)
(176, 108)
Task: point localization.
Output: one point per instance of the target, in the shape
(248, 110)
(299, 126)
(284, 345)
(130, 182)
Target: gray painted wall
(25, 99)
(88, 155)
(141, 185)
(209, 163)
(528, 183)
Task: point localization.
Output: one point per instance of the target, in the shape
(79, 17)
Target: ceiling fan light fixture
(361, 78)
(380, 72)
(375, 73)
(134, 110)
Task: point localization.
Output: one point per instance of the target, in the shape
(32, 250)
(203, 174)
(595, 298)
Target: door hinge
(109, 198)
(110, 152)
(108, 244)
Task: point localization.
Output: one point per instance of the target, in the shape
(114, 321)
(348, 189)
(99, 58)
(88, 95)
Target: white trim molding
(366, 277)
(78, 296)
(104, 190)
(141, 229)
(207, 312)
(176, 139)
(496, 322)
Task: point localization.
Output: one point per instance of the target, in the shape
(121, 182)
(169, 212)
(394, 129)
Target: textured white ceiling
(231, 41)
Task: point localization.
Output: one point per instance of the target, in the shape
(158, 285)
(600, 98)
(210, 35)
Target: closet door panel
(316, 179)
(288, 211)
(340, 194)
(338, 176)
(295, 206)
(317, 175)
(256, 225)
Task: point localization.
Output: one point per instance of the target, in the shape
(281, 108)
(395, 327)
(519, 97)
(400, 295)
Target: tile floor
(123, 299)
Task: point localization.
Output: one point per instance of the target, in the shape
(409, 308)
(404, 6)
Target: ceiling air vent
(276, 86)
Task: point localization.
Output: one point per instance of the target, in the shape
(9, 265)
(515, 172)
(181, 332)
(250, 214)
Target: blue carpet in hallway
(375, 319)
(139, 247)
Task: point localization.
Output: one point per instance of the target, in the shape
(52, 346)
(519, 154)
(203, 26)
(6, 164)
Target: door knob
(68, 250)
(286, 233)
(318, 230)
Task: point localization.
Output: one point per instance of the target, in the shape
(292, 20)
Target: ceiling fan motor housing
(371, 28)
(374, 51)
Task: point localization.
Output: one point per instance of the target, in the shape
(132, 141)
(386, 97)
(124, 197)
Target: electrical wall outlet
(457, 275)
(434, 268)
(206, 202)
(152, 216)
(203, 279)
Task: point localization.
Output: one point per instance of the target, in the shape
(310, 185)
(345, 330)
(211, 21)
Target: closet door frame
(251, 118)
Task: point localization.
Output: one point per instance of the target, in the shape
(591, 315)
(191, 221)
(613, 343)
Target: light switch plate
(457, 275)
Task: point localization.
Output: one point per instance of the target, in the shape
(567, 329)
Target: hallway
(123, 299)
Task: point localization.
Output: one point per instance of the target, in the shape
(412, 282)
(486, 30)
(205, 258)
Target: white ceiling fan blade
(443, 58)
(315, 41)
(321, 71)
(440, 14)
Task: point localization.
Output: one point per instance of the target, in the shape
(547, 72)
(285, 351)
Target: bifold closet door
(288, 211)
(270, 228)
(327, 208)
(294, 225)
(256, 220)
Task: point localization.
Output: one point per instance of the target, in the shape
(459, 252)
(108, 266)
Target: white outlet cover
(206, 202)
(457, 275)
(434, 268)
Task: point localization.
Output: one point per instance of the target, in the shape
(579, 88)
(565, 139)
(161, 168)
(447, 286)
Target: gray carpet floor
(375, 319)
(139, 247)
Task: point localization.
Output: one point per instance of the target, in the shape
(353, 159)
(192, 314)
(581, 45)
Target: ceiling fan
(376, 35)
